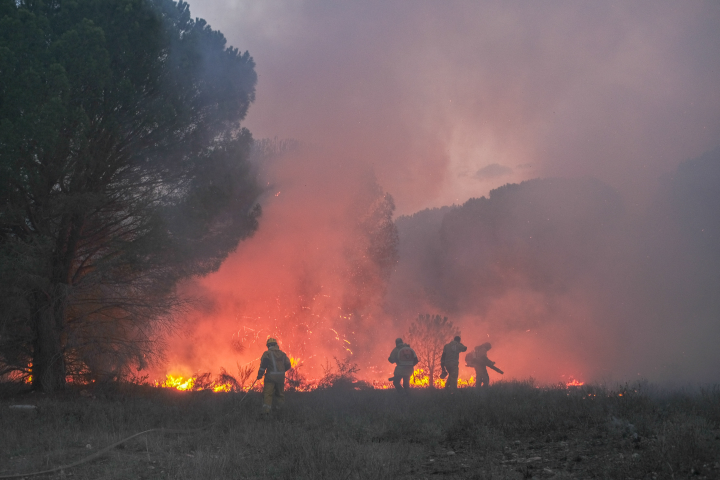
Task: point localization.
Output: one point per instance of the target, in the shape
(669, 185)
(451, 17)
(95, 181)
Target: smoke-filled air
(546, 175)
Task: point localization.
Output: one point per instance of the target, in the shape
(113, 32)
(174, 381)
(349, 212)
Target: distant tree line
(648, 274)
(550, 235)
(123, 170)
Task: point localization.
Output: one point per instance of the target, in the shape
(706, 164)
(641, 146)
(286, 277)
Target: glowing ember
(380, 385)
(574, 383)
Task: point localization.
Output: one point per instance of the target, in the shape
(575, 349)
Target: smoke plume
(589, 111)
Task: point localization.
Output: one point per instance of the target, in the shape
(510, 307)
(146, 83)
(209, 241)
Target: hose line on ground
(102, 452)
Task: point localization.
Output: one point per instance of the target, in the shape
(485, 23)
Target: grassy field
(512, 430)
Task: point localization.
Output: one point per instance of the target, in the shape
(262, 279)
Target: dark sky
(447, 100)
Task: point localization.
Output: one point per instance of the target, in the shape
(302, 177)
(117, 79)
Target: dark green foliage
(123, 170)
(543, 235)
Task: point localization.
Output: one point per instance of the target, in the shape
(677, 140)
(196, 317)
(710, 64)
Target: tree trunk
(431, 374)
(48, 367)
(48, 370)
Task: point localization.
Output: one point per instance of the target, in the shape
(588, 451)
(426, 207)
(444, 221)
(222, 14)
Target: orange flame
(420, 380)
(178, 382)
(574, 383)
(470, 382)
(223, 387)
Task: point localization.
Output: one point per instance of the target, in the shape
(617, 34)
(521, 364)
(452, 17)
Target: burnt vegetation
(511, 431)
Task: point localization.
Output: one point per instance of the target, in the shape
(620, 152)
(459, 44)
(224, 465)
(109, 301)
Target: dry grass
(513, 430)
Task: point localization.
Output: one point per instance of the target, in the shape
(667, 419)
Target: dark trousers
(482, 379)
(402, 373)
(452, 379)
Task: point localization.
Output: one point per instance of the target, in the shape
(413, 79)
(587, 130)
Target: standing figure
(479, 361)
(273, 365)
(450, 362)
(405, 359)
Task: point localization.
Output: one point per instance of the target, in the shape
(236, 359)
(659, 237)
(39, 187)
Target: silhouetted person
(273, 365)
(405, 359)
(450, 362)
(479, 361)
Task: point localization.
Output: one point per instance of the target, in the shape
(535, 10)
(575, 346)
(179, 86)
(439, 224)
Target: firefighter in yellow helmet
(273, 365)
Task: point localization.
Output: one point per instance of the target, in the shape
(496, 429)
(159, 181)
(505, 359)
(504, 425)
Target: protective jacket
(403, 356)
(451, 354)
(274, 363)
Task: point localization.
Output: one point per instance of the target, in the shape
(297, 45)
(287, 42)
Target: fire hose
(102, 452)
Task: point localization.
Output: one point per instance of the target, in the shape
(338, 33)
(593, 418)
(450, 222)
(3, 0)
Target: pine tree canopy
(123, 170)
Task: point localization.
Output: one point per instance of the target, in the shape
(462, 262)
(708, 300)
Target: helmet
(457, 338)
(270, 341)
(486, 346)
(398, 341)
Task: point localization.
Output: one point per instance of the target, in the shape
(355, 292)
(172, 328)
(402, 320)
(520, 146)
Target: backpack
(470, 359)
(406, 356)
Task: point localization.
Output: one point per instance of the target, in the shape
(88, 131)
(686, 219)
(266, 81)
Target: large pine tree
(123, 169)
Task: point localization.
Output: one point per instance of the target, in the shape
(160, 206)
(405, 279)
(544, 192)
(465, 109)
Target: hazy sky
(443, 101)
(447, 100)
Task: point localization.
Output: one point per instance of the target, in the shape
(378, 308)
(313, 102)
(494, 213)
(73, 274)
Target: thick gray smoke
(446, 101)
(616, 294)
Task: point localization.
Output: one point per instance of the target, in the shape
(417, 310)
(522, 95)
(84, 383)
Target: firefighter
(405, 359)
(479, 361)
(273, 365)
(450, 362)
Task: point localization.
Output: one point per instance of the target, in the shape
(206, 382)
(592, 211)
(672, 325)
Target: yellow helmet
(270, 341)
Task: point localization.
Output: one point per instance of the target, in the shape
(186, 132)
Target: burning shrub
(295, 380)
(224, 382)
(428, 334)
(244, 374)
(343, 378)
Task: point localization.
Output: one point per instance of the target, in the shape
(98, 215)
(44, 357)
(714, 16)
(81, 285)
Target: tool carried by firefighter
(478, 360)
(107, 449)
